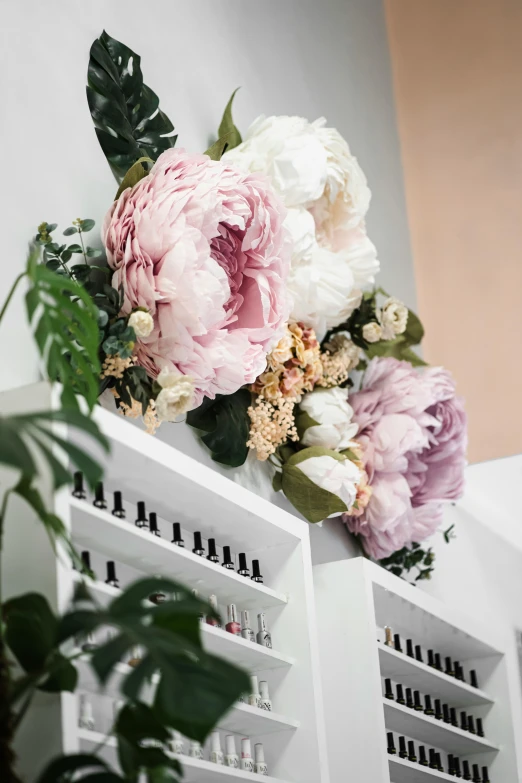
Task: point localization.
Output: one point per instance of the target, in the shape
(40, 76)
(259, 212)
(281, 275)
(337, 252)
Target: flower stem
(10, 294)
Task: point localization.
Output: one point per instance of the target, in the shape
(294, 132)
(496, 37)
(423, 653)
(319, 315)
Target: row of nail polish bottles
(243, 629)
(434, 760)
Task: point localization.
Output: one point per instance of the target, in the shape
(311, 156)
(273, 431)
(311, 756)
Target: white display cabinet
(179, 489)
(355, 600)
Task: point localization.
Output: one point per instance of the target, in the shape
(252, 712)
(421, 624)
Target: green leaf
(227, 127)
(227, 424)
(136, 173)
(277, 481)
(125, 112)
(87, 225)
(313, 502)
(30, 630)
(70, 231)
(216, 150)
(75, 248)
(63, 676)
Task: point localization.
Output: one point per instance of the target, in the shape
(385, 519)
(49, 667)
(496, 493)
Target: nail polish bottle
(86, 562)
(85, 714)
(403, 753)
(428, 710)
(388, 638)
(232, 625)
(254, 698)
(212, 554)
(453, 717)
(411, 752)
(451, 767)
(216, 754)
(400, 695)
(135, 657)
(388, 690)
(445, 713)
(476, 774)
(438, 710)
(409, 648)
(458, 670)
(471, 724)
(480, 728)
(409, 698)
(118, 510)
(439, 763)
(256, 573)
(214, 604)
(423, 761)
(198, 546)
(99, 497)
(246, 631)
(433, 760)
(265, 702)
(397, 642)
(391, 744)
(227, 560)
(176, 532)
(247, 765)
(153, 524)
(418, 653)
(431, 659)
(263, 636)
(466, 775)
(473, 678)
(438, 664)
(260, 766)
(417, 702)
(176, 742)
(485, 775)
(195, 750)
(456, 766)
(78, 490)
(463, 721)
(449, 669)
(243, 568)
(112, 579)
(231, 757)
(141, 520)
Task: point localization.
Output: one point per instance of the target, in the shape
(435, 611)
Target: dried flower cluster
(340, 357)
(272, 424)
(134, 411)
(114, 366)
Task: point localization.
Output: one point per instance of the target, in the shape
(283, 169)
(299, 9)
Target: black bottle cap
(198, 546)
(438, 664)
(448, 666)
(397, 642)
(212, 550)
(431, 660)
(417, 701)
(256, 573)
(243, 568)
(471, 724)
(391, 743)
(99, 497)
(409, 697)
(476, 774)
(118, 510)
(465, 771)
(153, 524)
(433, 759)
(423, 761)
(480, 728)
(427, 701)
(403, 753)
(457, 668)
(86, 560)
(418, 653)
(456, 766)
(176, 532)
(453, 717)
(485, 775)
(445, 713)
(388, 690)
(141, 520)
(227, 559)
(451, 765)
(409, 648)
(78, 491)
(473, 678)
(400, 694)
(111, 573)
(439, 763)
(463, 721)
(411, 751)
(438, 709)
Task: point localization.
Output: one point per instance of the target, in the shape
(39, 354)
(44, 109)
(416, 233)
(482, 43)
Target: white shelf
(404, 771)
(195, 770)
(254, 722)
(414, 674)
(96, 529)
(404, 720)
(251, 656)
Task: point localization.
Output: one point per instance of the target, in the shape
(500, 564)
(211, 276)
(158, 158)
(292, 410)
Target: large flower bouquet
(242, 293)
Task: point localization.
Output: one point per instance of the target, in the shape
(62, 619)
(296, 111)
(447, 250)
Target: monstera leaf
(126, 114)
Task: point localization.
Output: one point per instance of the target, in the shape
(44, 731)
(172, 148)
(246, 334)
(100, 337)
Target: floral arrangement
(242, 293)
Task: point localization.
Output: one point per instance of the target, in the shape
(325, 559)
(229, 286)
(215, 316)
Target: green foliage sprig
(408, 558)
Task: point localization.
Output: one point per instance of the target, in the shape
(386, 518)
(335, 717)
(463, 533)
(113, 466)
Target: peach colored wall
(458, 82)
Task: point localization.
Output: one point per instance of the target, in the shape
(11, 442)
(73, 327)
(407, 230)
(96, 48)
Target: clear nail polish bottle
(246, 631)
(260, 766)
(216, 754)
(263, 636)
(176, 743)
(195, 750)
(265, 702)
(247, 764)
(254, 698)
(214, 604)
(231, 757)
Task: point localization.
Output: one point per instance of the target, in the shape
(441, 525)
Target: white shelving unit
(179, 489)
(355, 662)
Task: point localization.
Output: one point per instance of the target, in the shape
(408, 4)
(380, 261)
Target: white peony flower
(394, 318)
(142, 323)
(372, 332)
(176, 395)
(338, 477)
(330, 409)
(322, 184)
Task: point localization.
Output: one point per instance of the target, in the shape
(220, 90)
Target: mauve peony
(202, 247)
(412, 430)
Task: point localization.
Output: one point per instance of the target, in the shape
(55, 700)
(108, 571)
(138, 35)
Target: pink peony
(203, 248)
(412, 429)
